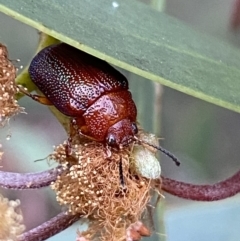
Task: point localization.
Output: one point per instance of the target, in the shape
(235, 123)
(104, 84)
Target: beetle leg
(72, 133)
(82, 128)
(78, 126)
(41, 99)
(82, 132)
(68, 148)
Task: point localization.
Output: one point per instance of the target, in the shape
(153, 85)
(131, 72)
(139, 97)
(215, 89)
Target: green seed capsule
(145, 162)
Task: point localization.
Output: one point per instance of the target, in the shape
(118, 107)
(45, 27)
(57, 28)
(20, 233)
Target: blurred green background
(205, 137)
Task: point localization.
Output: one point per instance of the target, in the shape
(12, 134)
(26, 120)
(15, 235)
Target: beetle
(90, 91)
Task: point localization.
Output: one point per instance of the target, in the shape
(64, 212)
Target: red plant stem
(49, 228)
(217, 191)
(35, 180)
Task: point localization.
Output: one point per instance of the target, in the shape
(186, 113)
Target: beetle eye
(134, 128)
(111, 140)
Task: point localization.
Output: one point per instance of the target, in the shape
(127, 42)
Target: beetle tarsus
(68, 148)
(41, 99)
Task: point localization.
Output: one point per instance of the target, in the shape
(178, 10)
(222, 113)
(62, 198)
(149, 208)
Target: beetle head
(124, 132)
(121, 133)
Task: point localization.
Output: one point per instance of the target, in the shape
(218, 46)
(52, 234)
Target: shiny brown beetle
(90, 91)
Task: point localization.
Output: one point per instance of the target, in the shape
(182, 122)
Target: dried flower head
(8, 88)
(92, 185)
(10, 219)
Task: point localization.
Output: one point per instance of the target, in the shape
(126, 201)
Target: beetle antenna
(166, 152)
(121, 174)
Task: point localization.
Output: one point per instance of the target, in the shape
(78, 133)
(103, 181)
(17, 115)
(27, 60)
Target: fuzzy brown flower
(10, 219)
(95, 186)
(8, 88)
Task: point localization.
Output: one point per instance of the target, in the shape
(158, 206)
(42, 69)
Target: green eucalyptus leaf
(137, 38)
